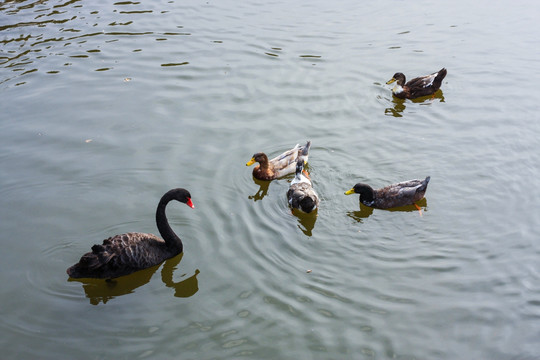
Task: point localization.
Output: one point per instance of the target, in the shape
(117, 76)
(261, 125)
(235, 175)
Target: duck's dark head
(398, 77)
(365, 191)
(258, 157)
(307, 204)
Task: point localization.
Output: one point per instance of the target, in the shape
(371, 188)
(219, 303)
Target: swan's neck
(171, 239)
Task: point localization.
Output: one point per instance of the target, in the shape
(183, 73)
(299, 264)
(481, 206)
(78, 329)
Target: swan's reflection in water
(306, 222)
(184, 288)
(366, 211)
(399, 104)
(101, 290)
(263, 189)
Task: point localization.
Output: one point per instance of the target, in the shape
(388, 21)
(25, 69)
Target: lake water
(106, 106)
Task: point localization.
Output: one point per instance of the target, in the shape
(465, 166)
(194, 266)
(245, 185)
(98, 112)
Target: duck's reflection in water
(397, 109)
(306, 222)
(101, 290)
(366, 211)
(399, 104)
(263, 189)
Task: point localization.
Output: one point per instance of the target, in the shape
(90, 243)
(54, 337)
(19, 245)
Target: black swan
(123, 254)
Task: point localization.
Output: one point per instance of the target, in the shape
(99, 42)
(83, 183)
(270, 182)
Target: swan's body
(281, 165)
(395, 195)
(126, 253)
(417, 87)
(301, 194)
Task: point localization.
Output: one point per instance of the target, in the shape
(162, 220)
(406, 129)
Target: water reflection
(306, 222)
(399, 104)
(363, 213)
(100, 290)
(70, 30)
(263, 189)
(397, 109)
(366, 211)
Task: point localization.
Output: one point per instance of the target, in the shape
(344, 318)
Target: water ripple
(108, 106)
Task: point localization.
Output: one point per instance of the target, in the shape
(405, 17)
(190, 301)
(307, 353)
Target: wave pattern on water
(49, 37)
(124, 101)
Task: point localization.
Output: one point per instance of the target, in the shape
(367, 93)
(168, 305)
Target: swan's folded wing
(137, 251)
(120, 255)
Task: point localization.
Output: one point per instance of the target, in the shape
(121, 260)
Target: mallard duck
(400, 194)
(301, 194)
(281, 165)
(417, 87)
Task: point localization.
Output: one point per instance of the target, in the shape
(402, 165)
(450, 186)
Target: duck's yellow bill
(349, 192)
(250, 162)
(390, 81)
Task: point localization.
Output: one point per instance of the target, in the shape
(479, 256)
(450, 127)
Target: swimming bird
(301, 194)
(417, 87)
(126, 253)
(279, 166)
(400, 194)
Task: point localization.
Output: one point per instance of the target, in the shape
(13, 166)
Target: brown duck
(417, 87)
(279, 166)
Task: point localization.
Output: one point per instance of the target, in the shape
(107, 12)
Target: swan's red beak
(190, 203)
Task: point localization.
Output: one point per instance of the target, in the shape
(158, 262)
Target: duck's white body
(301, 194)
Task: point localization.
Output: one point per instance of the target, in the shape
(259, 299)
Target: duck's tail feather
(304, 152)
(424, 184)
(441, 74)
(305, 148)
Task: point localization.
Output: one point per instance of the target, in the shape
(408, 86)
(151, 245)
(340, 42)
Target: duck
(124, 254)
(395, 195)
(417, 87)
(281, 165)
(301, 194)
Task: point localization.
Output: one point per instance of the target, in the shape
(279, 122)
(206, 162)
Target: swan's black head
(181, 195)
